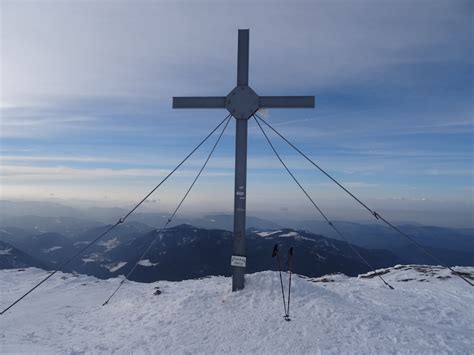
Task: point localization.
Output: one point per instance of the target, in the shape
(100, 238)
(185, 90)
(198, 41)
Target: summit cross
(242, 102)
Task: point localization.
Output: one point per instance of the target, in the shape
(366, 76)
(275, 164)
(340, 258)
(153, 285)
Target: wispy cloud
(15, 173)
(148, 46)
(61, 158)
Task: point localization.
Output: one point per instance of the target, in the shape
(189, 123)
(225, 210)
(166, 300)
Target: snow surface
(110, 244)
(290, 234)
(146, 262)
(331, 315)
(295, 235)
(51, 249)
(117, 266)
(89, 260)
(267, 234)
(6, 251)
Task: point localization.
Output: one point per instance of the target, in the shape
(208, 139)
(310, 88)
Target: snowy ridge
(47, 250)
(267, 234)
(348, 315)
(282, 234)
(109, 244)
(116, 266)
(6, 251)
(147, 262)
(403, 273)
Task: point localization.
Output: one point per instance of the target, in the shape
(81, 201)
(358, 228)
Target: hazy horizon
(280, 216)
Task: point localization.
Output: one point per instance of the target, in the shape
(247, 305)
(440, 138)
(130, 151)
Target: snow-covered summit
(428, 312)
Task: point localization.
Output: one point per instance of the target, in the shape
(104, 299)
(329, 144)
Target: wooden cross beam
(242, 102)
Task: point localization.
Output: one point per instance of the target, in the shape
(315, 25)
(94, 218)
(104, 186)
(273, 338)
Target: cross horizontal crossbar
(286, 101)
(264, 102)
(199, 102)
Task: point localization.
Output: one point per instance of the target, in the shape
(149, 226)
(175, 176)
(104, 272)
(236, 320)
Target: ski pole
(277, 254)
(290, 259)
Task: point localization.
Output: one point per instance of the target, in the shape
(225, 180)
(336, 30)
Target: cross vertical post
(242, 102)
(240, 187)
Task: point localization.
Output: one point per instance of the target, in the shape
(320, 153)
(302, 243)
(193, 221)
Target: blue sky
(86, 93)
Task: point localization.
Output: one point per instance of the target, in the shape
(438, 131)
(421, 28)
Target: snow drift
(430, 311)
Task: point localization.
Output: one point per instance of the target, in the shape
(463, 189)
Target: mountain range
(185, 252)
(200, 247)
